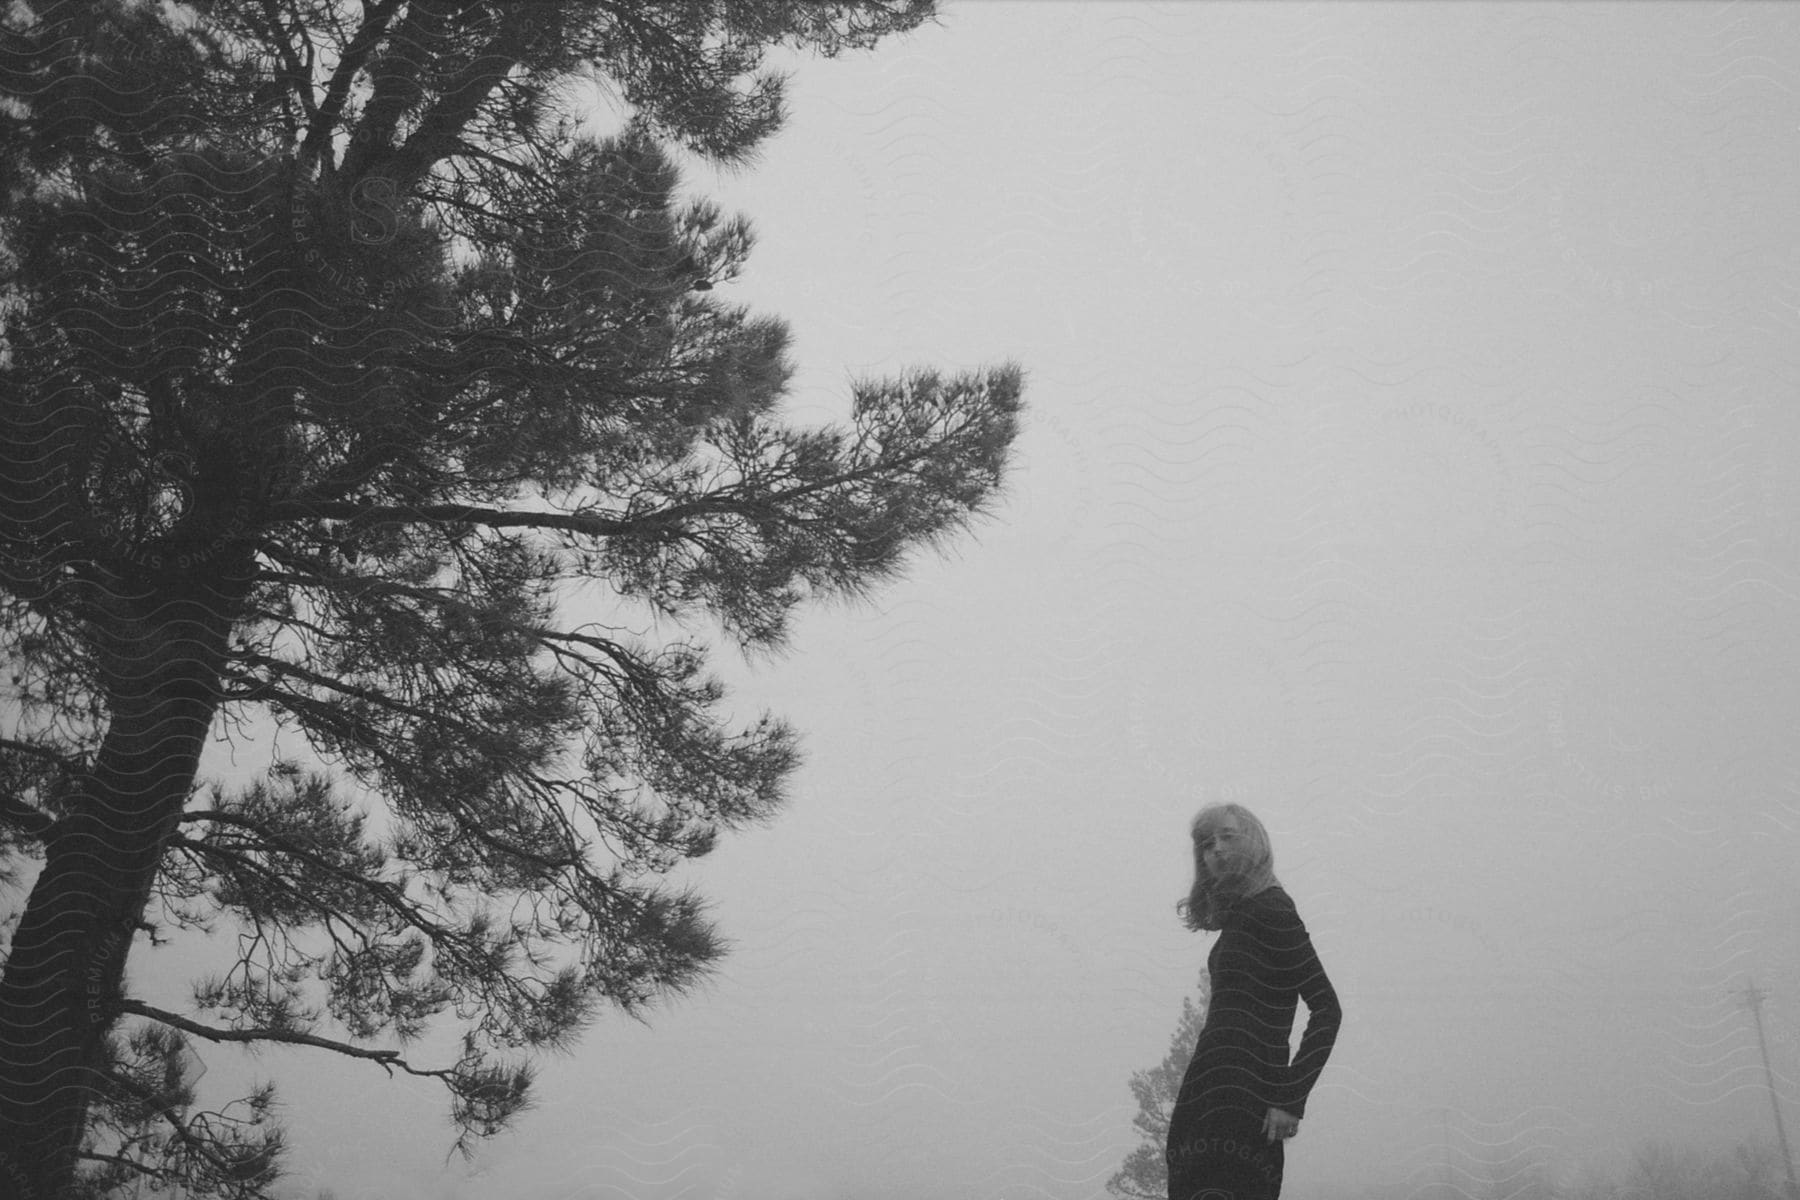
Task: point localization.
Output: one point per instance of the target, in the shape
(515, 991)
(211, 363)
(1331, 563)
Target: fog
(1413, 455)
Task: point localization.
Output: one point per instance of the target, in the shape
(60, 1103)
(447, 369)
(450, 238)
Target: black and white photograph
(899, 600)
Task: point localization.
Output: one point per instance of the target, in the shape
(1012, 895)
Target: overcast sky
(1413, 455)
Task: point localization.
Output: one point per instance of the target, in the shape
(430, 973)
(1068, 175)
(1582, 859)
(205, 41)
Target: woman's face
(1221, 846)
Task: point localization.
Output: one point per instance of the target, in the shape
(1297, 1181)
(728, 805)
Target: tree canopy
(337, 353)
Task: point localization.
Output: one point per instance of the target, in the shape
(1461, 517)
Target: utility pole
(1447, 1188)
(1753, 997)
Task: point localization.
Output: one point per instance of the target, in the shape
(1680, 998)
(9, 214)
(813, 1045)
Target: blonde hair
(1206, 903)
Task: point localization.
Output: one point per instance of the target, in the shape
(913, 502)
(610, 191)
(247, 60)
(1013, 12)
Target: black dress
(1262, 963)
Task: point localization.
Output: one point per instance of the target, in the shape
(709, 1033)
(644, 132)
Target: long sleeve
(1323, 1015)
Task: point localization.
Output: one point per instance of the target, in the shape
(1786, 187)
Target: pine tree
(348, 388)
(1145, 1172)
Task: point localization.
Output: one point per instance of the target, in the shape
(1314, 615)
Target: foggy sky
(1413, 455)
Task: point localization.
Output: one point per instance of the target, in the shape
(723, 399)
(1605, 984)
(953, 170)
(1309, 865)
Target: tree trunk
(60, 990)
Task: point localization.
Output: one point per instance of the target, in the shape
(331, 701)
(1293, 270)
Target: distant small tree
(1593, 1184)
(1519, 1175)
(1760, 1170)
(1660, 1171)
(1145, 1173)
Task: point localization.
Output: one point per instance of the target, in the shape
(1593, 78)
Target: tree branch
(375, 23)
(196, 1144)
(143, 1168)
(450, 514)
(30, 820)
(293, 1037)
(301, 79)
(395, 900)
(439, 130)
(379, 699)
(66, 765)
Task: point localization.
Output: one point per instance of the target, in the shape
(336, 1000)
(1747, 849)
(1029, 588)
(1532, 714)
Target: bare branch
(293, 1037)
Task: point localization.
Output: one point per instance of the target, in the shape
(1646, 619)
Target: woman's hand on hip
(1280, 1124)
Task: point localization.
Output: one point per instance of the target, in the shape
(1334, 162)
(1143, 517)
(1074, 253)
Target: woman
(1241, 1098)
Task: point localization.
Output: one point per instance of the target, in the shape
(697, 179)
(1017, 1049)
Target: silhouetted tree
(1145, 1172)
(334, 355)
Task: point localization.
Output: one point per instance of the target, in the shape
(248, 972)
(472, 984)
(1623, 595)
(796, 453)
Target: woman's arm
(1287, 968)
(1298, 967)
